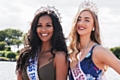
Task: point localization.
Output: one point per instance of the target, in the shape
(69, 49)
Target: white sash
(32, 70)
(77, 73)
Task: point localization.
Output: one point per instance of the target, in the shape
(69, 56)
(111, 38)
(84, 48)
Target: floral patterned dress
(91, 71)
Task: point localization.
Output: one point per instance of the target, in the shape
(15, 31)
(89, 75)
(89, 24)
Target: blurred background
(16, 16)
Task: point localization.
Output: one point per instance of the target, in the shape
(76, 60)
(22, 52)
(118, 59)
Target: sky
(18, 14)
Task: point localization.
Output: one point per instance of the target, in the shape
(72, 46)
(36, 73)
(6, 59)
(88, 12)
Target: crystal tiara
(49, 9)
(88, 5)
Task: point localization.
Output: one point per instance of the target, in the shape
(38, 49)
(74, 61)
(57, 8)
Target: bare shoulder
(101, 50)
(106, 57)
(61, 65)
(102, 53)
(99, 47)
(60, 55)
(60, 59)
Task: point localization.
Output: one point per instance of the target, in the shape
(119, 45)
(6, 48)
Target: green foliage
(17, 52)
(7, 48)
(116, 51)
(2, 45)
(24, 37)
(11, 35)
(2, 53)
(10, 54)
(2, 35)
(17, 42)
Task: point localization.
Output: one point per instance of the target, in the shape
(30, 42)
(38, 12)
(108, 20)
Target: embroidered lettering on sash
(32, 70)
(78, 73)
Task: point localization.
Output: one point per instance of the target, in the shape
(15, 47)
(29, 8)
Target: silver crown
(88, 5)
(49, 9)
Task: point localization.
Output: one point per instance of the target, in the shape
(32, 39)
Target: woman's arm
(19, 75)
(108, 58)
(61, 65)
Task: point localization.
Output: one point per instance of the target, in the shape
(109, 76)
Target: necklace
(82, 51)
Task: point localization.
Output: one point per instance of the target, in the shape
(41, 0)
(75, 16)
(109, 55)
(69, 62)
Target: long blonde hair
(74, 38)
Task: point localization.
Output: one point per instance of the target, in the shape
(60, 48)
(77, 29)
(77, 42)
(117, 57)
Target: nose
(43, 28)
(80, 22)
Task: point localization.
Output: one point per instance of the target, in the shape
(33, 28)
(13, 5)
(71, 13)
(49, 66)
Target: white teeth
(81, 28)
(44, 34)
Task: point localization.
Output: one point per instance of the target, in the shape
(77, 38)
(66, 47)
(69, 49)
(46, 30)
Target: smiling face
(45, 28)
(85, 23)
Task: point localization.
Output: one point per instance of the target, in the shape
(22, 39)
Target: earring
(93, 29)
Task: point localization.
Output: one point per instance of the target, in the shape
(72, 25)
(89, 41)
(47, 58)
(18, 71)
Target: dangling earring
(93, 29)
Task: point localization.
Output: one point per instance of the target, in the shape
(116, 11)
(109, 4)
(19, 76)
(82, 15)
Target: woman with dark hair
(44, 56)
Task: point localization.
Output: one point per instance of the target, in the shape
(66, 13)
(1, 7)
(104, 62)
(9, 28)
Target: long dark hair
(33, 42)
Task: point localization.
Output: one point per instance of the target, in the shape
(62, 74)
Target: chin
(45, 40)
(81, 33)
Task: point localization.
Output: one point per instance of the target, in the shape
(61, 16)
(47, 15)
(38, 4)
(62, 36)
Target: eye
(78, 19)
(48, 25)
(87, 20)
(39, 25)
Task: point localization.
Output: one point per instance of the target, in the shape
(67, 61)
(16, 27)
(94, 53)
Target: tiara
(49, 9)
(88, 5)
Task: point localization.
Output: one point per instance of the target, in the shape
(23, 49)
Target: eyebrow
(46, 23)
(84, 17)
(49, 22)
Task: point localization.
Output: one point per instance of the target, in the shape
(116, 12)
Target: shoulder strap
(93, 48)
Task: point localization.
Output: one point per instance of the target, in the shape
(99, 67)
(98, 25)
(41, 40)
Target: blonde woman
(88, 59)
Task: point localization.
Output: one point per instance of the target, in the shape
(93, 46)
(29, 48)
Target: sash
(32, 69)
(77, 73)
